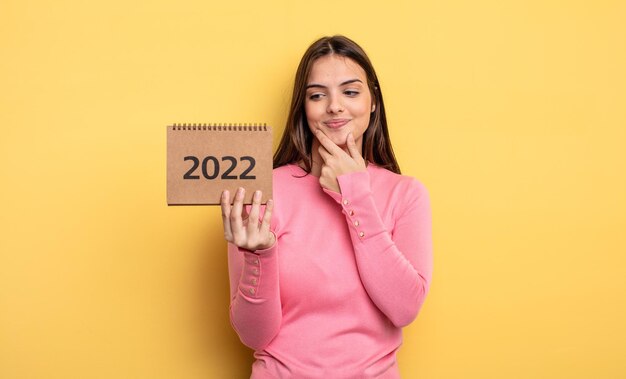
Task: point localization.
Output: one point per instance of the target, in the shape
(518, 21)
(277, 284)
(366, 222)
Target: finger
(225, 203)
(267, 217)
(253, 217)
(236, 222)
(330, 146)
(354, 151)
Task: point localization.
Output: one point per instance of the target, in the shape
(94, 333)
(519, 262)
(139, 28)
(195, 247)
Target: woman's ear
(374, 97)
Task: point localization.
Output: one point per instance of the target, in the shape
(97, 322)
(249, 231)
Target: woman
(323, 280)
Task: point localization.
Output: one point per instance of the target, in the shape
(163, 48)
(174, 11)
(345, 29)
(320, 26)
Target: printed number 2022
(212, 170)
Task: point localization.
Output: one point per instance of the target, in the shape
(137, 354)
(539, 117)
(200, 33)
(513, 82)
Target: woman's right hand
(243, 228)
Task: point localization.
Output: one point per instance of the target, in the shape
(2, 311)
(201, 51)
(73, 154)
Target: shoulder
(401, 195)
(291, 179)
(398, 186)
(288, 172)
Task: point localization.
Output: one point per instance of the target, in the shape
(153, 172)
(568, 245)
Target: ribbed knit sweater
(347, 272)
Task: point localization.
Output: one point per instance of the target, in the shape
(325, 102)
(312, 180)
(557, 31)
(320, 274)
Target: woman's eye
(351, 93)
(315, 96)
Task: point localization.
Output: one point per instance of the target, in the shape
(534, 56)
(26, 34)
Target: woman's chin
(338, 136)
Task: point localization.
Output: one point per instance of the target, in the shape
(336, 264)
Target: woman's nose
(334, 105)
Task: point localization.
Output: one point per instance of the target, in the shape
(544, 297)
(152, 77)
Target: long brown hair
(297, 140)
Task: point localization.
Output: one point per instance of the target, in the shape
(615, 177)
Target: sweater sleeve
(395, 265)
(255, 309)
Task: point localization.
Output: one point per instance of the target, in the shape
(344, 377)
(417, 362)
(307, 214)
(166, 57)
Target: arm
(255, 309)
(395, 265)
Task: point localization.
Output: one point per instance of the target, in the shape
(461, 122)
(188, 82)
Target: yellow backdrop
(511, 113)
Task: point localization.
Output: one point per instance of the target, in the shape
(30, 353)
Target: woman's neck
(316, 159)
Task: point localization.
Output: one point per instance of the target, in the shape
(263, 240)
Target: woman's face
(338, 100)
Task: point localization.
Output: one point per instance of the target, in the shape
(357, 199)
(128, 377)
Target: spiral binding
(222, 127)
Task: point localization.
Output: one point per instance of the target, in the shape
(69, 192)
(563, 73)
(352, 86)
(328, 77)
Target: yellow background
(511, 112)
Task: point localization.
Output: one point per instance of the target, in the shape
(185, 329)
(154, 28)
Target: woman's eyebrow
(316, 85)
(350, 82)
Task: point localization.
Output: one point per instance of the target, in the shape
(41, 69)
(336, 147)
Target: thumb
(354, 152)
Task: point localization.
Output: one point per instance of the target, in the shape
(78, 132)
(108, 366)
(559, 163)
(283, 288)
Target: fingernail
(257, 195)
(240, 191)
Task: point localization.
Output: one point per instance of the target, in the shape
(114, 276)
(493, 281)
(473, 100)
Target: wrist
(270, 244)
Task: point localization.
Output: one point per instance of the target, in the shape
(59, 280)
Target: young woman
(324, 277)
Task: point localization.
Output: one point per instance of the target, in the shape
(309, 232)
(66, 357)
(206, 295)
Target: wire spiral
(222, 127)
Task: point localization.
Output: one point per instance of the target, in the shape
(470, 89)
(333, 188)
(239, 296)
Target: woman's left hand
(336, 161)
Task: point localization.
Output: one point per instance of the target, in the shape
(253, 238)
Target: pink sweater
(347, 272)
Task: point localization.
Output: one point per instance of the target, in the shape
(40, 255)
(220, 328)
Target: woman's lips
(336, 123)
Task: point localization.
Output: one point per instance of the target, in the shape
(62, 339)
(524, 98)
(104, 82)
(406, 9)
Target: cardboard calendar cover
(205, 159)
